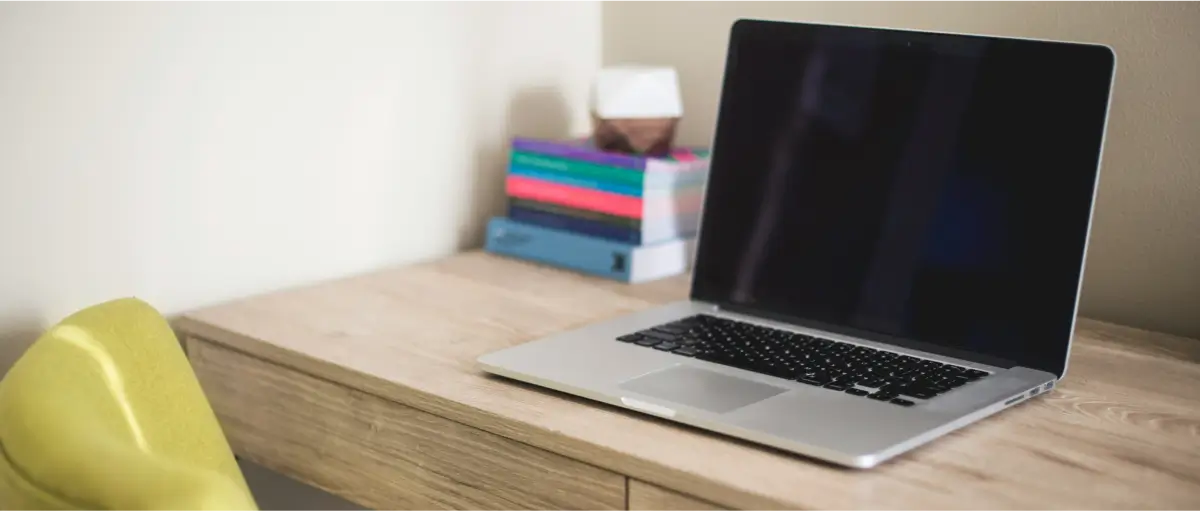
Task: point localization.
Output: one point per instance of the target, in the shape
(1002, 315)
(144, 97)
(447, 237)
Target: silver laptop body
(963, 291)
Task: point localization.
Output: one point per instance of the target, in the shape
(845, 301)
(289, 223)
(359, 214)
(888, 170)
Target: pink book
(571, 196)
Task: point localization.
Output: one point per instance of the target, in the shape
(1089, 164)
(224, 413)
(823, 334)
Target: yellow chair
(104, 412)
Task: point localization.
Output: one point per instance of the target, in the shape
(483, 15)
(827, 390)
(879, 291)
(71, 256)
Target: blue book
(588, 254)
(575, 224)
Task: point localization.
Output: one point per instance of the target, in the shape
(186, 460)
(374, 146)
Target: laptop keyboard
(839, 366)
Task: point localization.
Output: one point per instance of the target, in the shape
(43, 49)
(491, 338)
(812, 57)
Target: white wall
(189, 153)
(1144, 260)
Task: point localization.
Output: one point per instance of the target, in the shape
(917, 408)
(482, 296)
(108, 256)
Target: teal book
(587, 254)
(564, 169)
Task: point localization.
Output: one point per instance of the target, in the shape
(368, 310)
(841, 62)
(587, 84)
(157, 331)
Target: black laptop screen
(928, 190)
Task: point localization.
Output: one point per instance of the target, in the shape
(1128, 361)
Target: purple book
(681, 159)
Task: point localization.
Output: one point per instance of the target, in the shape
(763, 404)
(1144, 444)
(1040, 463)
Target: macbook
(891, 247)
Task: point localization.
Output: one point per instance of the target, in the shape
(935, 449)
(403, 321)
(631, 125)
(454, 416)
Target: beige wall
(1144, 258)
(189, 153)
(193, 153)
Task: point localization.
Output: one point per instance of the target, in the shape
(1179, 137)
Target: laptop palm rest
(700, 388)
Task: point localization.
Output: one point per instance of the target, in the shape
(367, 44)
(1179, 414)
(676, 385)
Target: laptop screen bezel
(765, 28)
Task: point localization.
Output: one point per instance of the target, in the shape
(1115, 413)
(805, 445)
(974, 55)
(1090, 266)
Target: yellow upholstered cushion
(104, 412)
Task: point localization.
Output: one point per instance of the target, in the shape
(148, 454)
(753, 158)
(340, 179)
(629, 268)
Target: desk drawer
(382, 454)
(643, 495)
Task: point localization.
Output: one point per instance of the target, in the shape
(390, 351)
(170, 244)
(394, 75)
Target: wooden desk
(367, 387)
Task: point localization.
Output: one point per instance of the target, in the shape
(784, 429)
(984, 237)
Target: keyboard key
(671, 328)
(663, 336)
(666, 346)
(901, 402)
(883, 396)
(856, 392)
(817, 376)
(647, 341)
(630, 338)
(872, 382)
(783, 371)
(930, 384)
(838, 386)
(686, 351)
(847, 379)
(747, 364)
(920, 393)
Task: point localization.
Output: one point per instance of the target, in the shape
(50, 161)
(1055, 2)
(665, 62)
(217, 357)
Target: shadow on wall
(15, 338)
(533, 112)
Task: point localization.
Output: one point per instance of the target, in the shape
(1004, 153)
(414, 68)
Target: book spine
(546, 207)
(573, 224)
(660, 166)
(582, 198)
(674, 181)
(563, 178)
(580, 253)
(580, 168)
(576, 152)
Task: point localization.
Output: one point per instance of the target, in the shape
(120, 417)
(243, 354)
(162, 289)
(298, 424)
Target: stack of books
(624, 217)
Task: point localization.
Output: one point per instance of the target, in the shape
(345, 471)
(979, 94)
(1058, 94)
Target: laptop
(891, 247)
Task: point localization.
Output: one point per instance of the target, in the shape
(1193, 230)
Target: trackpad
(701, 388)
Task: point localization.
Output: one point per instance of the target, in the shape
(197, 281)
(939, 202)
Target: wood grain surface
(381, 454)
(643, 495)
(1122, 430)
